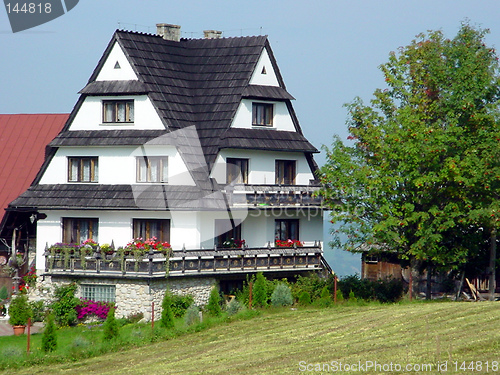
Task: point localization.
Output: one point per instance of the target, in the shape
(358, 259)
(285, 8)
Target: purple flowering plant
(87, 308)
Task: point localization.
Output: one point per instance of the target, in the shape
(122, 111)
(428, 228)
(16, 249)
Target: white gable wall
(267, 79)
(89, 116)
(108, 71)
(262, 165)
(117, 165)
(281, 120)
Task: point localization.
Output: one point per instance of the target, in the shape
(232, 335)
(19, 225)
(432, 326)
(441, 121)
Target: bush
(38, 310)
(19, 311)
(260, 291)
(180, 304)
(87, 308)
(311, 284)
(49, 338)
(325, 299)
(389, 290)
(64, 305)
(362, 288)
(340, 296)
(352, 297)
(167, 316)
(192, 315)
(213, 306)
(234, 307)
(110, 326)
(4, 294)
(305, 298)
(282, 296)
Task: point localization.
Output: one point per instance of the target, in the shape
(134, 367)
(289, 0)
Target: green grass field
(288, 341)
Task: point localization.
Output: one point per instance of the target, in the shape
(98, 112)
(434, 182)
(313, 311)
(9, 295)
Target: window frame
(279, 235)
(164, 230)
(281, 168)
(129, 108)
(146, 162)
(233, 233)
(72, 227)
(233, 165)
(98, 292)
(93, 168)
(264, 118)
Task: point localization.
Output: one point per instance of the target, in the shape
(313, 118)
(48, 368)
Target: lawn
(287, 341)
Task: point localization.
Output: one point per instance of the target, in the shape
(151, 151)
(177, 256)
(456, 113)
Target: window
(152, 169)
(82, 169)
(287, 229)
(118, 110)
(285, 172)
(96, 293)
(262, 114)
(149, 228)
(78, 230)
(237, 171)
(224, 231)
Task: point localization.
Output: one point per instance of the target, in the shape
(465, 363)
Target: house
(23, 138)
(193, 142)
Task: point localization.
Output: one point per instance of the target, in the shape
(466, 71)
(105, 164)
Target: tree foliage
(423, 169)
(167, 315)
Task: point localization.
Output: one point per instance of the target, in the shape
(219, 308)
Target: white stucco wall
(268, 79)
(262, 166)
(108, 71)
(117, 165)
(89, 117)
(281, 117)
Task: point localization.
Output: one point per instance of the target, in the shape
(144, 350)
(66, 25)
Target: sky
(328, 51)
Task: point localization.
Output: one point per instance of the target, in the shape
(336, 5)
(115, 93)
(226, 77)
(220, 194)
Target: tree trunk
(493, 257)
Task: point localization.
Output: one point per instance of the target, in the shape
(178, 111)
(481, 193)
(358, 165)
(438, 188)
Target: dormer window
(262, 114)
(118, 111)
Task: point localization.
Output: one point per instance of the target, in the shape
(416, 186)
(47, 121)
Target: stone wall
(134, 296)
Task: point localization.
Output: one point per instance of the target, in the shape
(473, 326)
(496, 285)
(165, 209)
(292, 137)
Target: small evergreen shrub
(352, 297)
(305, 298)
(38, 309)
(49, 338)
(4, 294)
(325, 299)
(192, 315)
(340, 296)
(64, 306)
(234, 307)
(167, 315)
(19, 311)
(259, 291)
(110, 326)
(282, 296)
(213, 306)
(180, 304)
(389, 290)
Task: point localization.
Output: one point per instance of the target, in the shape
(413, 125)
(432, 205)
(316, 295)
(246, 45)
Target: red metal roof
(22, 150)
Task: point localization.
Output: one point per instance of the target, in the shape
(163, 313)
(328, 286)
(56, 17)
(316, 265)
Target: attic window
(263, 70)
(262, 114)
(118, 111)
(82, 169)
(117, 65)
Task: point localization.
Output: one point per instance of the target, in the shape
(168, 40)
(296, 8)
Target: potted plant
(19, 313)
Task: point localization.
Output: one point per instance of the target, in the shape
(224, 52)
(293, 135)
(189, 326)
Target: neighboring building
(23, 138)
(192, 141)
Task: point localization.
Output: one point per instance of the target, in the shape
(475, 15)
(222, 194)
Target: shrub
(362, 288)
(311, 284)
(110, 326)
(65, 304)
(38, 310)
(352, 297)
(389, 290)
(260, 291)
(213, 306)
(167, 316)
(234, 307)
(88, 308)
(305, 298)
(340, 296)
(49, 338)
(325, 299)
(180, 304)
(192, 315)
(19, 311)
(4, 294)
(282, 296)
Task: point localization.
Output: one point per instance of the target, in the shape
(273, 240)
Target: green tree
(422, 173)
(260, 291)
(167, 315)
(110, 326)
(49, 338)
(213, 306)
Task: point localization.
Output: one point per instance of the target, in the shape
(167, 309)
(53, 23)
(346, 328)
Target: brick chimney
(169, 32)
(212, 34)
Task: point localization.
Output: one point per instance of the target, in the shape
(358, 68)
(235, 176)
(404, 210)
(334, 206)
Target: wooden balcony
(274, 195)
(190, 263)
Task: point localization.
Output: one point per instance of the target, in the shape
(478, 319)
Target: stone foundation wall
(134, 296)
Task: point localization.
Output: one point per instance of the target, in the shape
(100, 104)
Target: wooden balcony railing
(188, 262)
(274, 195)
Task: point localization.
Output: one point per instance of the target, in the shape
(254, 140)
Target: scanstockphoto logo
(24, 15)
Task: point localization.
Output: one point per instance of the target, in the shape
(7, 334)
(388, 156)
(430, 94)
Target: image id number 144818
(29, 8)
